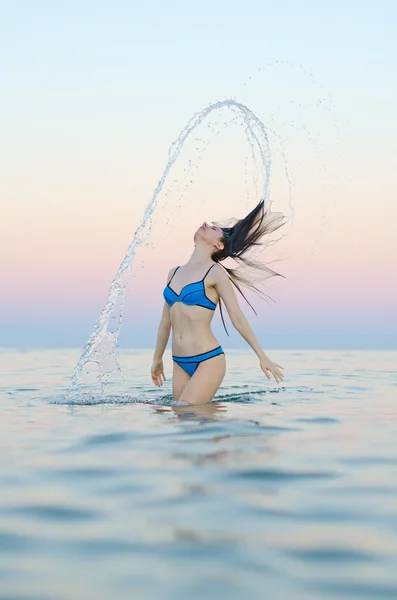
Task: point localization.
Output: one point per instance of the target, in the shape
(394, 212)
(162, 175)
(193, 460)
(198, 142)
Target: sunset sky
(94, 93)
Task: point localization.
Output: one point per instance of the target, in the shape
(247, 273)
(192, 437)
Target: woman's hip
(190, 363)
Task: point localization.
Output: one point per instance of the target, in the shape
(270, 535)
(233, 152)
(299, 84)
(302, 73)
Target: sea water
(271, 491)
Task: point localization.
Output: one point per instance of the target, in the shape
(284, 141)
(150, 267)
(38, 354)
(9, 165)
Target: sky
(92, 94)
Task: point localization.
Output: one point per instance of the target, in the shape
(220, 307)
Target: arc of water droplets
(102, 343)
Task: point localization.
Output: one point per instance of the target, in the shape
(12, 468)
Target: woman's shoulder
(217, 272)
(173, 269)
(172, 272)
(218, 269)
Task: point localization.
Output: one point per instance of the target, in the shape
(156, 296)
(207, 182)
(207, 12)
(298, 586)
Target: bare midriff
(191, 330)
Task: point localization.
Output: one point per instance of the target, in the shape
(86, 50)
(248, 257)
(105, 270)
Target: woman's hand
(268, 367)
(158, 372)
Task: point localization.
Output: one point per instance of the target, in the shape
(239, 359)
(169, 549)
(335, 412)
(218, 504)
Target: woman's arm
(163, 333)
(164, 329)
(227, 294)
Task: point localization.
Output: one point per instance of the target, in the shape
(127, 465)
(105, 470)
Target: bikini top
(192, 294)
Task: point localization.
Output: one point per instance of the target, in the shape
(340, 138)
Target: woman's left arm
(227, 294)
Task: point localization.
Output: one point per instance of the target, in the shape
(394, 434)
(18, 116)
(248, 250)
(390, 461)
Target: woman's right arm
(163, 334)
(164, 328)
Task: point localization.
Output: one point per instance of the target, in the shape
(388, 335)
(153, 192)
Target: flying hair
(240, 239)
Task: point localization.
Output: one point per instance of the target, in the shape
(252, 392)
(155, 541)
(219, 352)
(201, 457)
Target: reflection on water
(268, 492)
(206, 413)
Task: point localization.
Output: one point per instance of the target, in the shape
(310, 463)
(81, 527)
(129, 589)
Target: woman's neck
(200, 255)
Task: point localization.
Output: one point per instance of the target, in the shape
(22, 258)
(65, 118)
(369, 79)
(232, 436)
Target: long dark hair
(238, 240)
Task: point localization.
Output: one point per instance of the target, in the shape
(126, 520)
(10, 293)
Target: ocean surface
(272, 491)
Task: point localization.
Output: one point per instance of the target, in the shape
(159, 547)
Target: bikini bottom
(190, 363)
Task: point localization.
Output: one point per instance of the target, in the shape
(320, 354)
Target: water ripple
(13, 542)
(52, 512)
(347, 589)
(330, 554)
(280, 475)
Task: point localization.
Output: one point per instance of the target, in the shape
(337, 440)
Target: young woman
(191, 295)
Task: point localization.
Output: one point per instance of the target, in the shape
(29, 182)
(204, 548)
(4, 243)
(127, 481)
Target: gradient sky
(93, 94)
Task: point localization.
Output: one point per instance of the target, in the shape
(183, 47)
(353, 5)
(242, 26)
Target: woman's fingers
(278, 376)
(158, 379)
(276, 369)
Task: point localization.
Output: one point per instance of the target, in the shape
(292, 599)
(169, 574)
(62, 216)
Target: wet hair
(239, 239)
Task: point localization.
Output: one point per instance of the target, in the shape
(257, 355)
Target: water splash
(93, 399)
(102, 345)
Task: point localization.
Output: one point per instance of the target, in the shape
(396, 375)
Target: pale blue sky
(85, 83)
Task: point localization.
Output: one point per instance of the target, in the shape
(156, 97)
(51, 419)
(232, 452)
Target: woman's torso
(191, 323)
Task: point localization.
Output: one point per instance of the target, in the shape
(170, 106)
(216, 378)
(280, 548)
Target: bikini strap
(172, 276)
(208, 271)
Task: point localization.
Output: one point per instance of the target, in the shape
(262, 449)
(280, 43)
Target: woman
(191, 295)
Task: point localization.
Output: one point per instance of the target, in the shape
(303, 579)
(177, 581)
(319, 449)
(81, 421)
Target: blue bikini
(192, 294)
(190, 363)
(195, 297)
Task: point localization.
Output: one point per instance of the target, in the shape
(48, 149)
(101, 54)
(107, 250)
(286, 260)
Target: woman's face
(212, 234)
